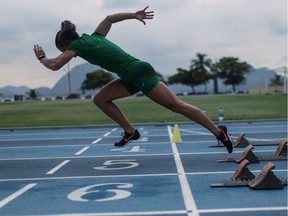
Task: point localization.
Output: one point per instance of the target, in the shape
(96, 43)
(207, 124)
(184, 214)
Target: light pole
(283, 71)
(69, 79)
(285, 80)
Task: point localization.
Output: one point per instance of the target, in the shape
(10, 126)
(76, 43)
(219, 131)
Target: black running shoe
(127, 137)
(225, 139)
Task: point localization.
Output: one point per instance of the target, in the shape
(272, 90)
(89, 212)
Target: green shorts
(142, 77)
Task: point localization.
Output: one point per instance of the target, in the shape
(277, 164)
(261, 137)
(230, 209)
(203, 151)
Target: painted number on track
(101, 192)
(117, 165)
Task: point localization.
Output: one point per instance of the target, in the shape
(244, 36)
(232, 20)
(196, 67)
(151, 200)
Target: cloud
(160, 5)
(252, 30)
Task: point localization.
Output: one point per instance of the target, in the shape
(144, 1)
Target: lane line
(255, 139)
(131, 175)
(82, 150)
(173, 213)
(86, 177)
(107, 134)
(136, 155)
(16, 194)
(97, 140)
(243, 209)
(185, 187)
(135, 149)
(59, 166)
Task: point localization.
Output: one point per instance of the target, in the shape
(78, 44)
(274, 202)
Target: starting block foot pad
(247, 154)
(243, 177)
(242, 142)
(266, 179)
(280, 154)
(282, 149)
(242, 172)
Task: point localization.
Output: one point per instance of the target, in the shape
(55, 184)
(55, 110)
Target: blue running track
(78, 171)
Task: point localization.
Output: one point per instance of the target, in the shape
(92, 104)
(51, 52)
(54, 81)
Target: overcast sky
(254, 31)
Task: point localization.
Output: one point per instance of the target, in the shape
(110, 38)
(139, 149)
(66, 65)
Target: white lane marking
(148, 213)
(86, 177)
(59, 166)
(131, 175)
(107, 134)
(185, 187)
(97, 140)
(82, 150)
(136, 155)
(242, 209)
(16, 194)
(135, 149)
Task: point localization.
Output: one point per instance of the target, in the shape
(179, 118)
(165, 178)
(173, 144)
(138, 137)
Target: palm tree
(202, 66)
(33, 94)
(277, 80)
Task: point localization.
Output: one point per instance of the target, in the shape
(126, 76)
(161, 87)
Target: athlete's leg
(104, 100)
(162, 95)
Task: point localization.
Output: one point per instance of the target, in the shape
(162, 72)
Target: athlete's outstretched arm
(104, 27)
(53, 63)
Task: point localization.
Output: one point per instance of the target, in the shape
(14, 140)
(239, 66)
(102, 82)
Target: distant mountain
(256, 78)
(61, 88)
(6, 93)
(13, 90)
(43, 91)
(77, 76)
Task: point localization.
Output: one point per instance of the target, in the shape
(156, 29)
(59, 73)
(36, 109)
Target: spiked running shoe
(127, 137)
(225, 139)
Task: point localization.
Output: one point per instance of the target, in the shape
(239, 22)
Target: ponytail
(66, 35)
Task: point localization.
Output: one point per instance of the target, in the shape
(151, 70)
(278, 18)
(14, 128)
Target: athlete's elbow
(53, 67)
(108, 19)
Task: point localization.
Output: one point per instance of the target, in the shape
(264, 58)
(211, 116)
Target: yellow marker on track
(176, 135)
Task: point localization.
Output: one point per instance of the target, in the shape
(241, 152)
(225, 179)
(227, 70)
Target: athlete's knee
(98, 100)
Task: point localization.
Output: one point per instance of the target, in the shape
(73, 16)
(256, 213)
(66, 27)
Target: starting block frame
(244, 177)
(280, 154)
(242, 142)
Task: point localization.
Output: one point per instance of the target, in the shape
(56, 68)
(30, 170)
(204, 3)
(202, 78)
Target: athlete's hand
(39, 52)
(142, 14)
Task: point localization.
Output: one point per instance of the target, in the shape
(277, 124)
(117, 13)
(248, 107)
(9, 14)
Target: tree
(185, 77)
(276, 81)
(232, 71)
(201, 67)
(214, 71)
(197, 74)
(96, 80)
(33, 94)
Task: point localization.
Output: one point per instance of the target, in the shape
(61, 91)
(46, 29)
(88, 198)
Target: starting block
(266, 179)
(242, 142)
(280, 154)
(244, 177)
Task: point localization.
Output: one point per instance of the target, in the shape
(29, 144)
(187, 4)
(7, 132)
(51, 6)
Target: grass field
(139, 110)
